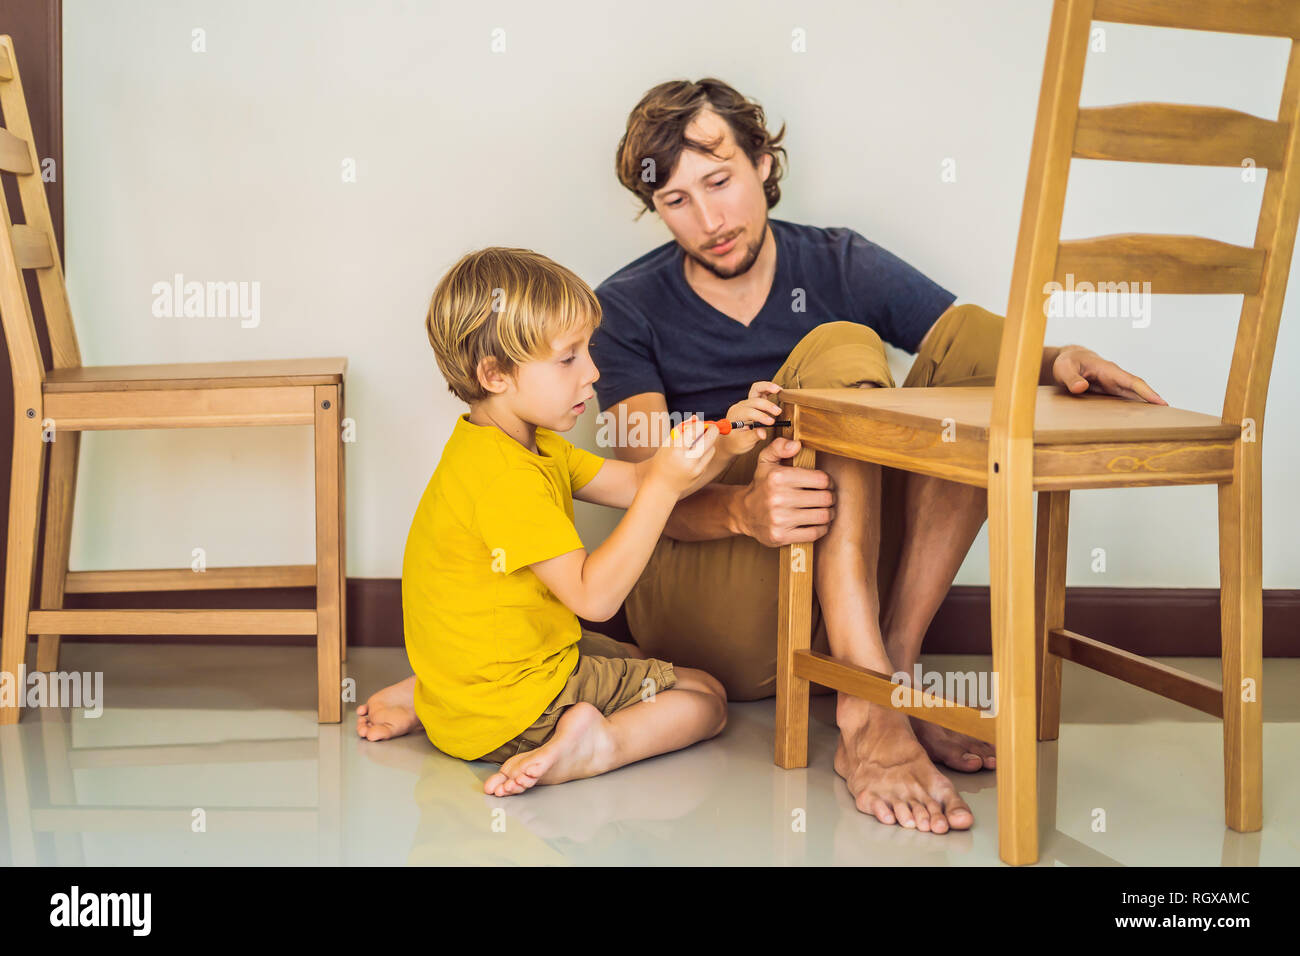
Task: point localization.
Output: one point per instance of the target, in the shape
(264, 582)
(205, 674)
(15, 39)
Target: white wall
(226, 165)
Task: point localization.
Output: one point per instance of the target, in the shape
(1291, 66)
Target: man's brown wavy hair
(656, 130)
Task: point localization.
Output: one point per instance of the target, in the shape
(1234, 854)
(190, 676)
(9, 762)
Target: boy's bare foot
(891, 778)
(389, 712)
(958, 751)
(581, 746)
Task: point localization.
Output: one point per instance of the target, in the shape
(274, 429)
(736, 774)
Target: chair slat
(93, 621)
(1168, 682)
(6, 68)
(185, 579)
(1179, 133)
(64, 353)
(32, 248)
(1172, 264)
(15, 157)
(1278, 18)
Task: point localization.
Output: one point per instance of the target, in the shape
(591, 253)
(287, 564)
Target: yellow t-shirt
(490, 644)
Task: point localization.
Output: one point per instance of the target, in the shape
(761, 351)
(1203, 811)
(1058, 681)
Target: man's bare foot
(581, 746)
(389, 712)
(891, 778)
(958, 751)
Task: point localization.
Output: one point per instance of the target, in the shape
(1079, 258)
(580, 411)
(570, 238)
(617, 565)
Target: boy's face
(553, 392)
(715, 207)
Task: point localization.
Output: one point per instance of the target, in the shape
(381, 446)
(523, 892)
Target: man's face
(715, 206)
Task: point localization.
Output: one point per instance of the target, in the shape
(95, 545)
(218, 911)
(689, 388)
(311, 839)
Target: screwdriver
(725, 427)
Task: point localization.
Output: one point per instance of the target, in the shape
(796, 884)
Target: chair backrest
(1153, 133)
(29, 245)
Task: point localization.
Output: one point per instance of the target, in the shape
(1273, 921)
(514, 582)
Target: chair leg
(328, 630)
(1011, 558)
(18, 801)
(64, 452)
(329, 796)
(343, 540)
(794, 633)
(1241, 610)
(1049, 604)
(24, 511)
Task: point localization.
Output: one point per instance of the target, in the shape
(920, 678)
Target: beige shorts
(607, 676)
(673, 611)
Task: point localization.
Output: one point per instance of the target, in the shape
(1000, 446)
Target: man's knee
(967, 354)
(837, 355)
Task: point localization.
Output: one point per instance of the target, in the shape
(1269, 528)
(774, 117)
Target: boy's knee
(713, 684)
(690, 678)
(702, 681)
(720, 693)
(718, 689)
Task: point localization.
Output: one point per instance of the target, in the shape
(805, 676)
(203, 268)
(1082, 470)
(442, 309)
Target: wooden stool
(64, 401)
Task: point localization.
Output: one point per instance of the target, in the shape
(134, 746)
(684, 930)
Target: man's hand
(1080, 369)
(784, 505)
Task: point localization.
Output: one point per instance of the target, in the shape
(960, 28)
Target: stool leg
(1049, 604)
(343, 540)
(1241, 610)
(24, 512)
(58, 537)
(1011, 557)
(794, 633)
(328, 631)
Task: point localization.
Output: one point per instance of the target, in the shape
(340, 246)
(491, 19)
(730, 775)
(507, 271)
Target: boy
(495, 576)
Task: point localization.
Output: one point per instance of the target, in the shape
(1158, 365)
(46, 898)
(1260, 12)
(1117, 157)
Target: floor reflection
(1130, 784)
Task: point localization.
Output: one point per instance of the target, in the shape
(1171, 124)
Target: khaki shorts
(607, 676)
(673, 611)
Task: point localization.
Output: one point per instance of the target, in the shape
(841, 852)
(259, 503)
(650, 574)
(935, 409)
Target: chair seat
(1060, 418)
(260, 373)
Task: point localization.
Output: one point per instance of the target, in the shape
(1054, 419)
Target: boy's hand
(690, 448)
(755, 408)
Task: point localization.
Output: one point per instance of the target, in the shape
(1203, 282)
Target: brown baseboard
(1153, 622)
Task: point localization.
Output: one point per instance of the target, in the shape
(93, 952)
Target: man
(736, 298)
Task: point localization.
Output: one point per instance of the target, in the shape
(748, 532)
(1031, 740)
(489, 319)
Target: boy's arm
(712, 510)
(594, 585)
(616, 484)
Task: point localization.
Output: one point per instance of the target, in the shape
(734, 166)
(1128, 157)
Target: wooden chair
(67, 399)
(1018, 438)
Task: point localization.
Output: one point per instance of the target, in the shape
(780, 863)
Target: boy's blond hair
(506, 304)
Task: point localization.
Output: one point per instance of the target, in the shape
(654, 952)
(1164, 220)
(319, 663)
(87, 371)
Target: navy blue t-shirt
(658, 335)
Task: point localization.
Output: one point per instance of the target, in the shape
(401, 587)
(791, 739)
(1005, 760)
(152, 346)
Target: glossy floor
(206, 755)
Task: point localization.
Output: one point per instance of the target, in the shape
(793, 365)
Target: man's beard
(751, 256)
